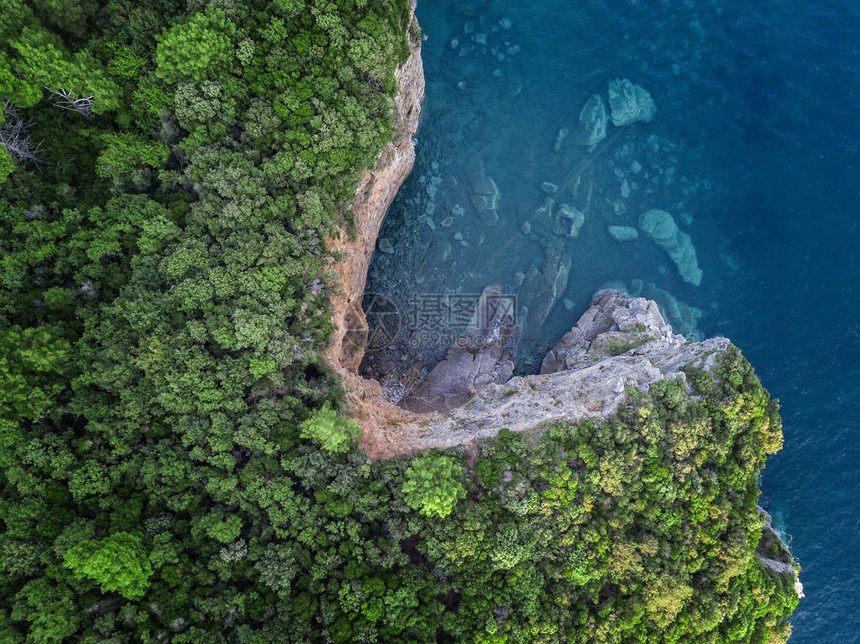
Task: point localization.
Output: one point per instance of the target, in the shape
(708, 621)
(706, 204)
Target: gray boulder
(476, 360)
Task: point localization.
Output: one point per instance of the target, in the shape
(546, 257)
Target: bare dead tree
(15, 137)
(64, 100)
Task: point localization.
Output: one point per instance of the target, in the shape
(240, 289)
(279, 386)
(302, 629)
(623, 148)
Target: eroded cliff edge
(377, 189)
(620, 344)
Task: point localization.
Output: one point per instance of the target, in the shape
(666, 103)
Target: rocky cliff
(620, 343)
(376, 191)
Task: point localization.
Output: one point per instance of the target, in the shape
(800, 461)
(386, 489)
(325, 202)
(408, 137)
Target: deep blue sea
(755, 152)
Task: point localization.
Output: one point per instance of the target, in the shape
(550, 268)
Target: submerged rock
(630, 103)
(484, 195)
(659, 226)
(591, 127)
(386, 246)
(622, 233)
(559, 139)
(568, 221)
(542, 289)
(682, 316)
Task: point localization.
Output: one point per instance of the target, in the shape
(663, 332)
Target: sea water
(754, 153)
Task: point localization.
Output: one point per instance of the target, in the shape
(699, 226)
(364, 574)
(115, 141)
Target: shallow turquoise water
(754, 152)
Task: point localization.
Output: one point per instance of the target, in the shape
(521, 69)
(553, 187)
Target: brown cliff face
(374, 195)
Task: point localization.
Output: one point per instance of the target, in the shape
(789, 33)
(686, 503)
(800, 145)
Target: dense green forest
(175, 461)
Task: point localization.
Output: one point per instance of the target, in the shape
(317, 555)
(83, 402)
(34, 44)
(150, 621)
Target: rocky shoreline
(619, 343)
(455, 403)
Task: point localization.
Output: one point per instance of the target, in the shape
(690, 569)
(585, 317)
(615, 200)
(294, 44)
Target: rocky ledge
(620, 343)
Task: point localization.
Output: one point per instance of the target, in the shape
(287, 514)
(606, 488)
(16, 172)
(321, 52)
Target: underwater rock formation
(630, 103)
(485, 197)
(622, 233)
(542, 289)
(659, 226)
(684, 317)
(568, 221)
(591, 127)
(559, 139)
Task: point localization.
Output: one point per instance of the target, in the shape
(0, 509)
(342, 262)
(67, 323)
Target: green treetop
(333, 432)
(118, 562)
(433, 485)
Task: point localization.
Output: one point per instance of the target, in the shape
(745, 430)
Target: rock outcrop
(661, 227)
(612, 325)
(475, 361)
(774, 555)
(629, 103)
(619, 343)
